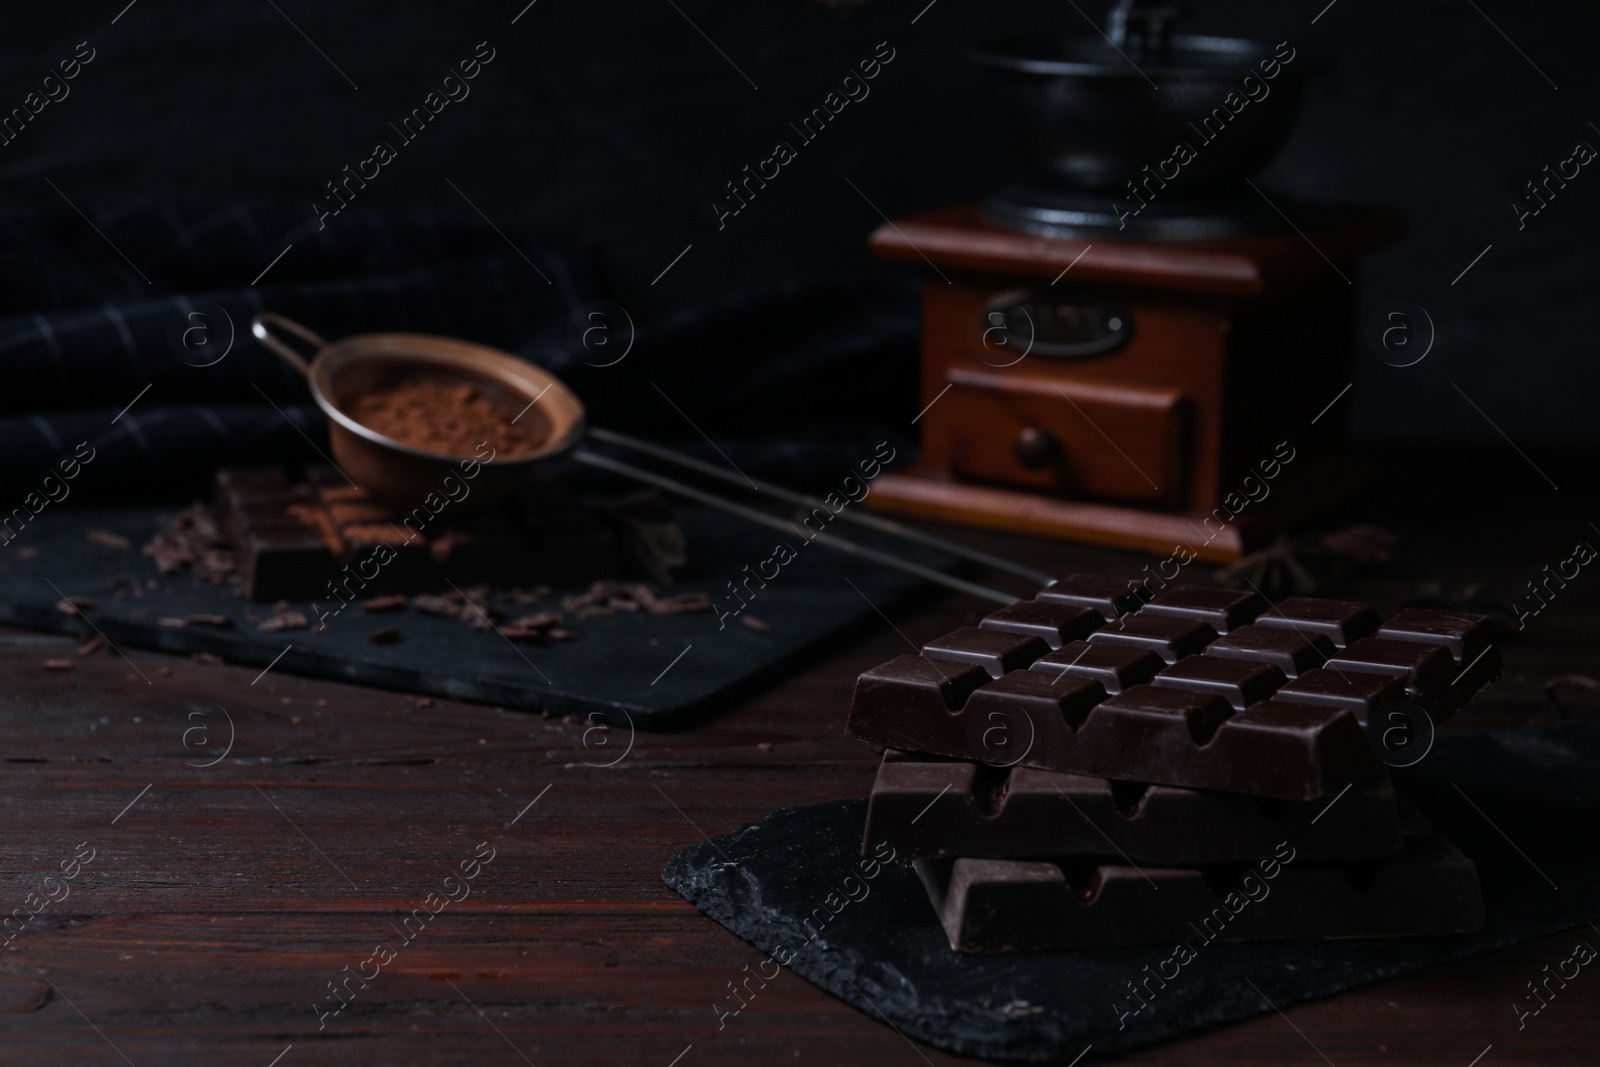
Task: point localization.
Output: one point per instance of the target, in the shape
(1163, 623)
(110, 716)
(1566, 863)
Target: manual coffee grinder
(1135, 345)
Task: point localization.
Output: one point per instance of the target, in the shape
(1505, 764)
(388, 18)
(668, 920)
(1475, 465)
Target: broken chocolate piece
(292, 540)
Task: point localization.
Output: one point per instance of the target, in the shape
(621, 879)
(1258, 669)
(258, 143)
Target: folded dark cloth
(150, 306)
(96, 334)
(149, 454)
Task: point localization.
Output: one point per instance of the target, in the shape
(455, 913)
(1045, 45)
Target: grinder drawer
(1120, 442)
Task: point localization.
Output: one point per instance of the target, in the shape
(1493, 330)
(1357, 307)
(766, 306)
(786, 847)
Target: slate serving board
(622, 664)
(884, 952)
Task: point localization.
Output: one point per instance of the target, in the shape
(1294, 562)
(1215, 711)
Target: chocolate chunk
(290, 540)
(1221, 609)
(927, 807)
(1354, 692)
(1340, 621)
(287, 561)
(1116, 667)
(1290, 652)
(1464, 636)
(1169, 638)
(1239, 682)
(1107, 595)
(999, 905)
(1057, 624)
(994, 650)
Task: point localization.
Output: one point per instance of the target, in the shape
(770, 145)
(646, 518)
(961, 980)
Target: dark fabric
(81, 328)
(796, 380)
(1511, 800)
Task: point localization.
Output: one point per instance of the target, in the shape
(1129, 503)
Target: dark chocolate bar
(930, 807)
(1274, 707)
(1004, 905)
(293, 539)
(1061, 722)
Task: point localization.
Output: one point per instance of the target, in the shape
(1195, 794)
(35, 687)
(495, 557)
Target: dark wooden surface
(222, 901)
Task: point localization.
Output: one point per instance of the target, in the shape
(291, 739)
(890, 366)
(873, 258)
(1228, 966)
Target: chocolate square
(1056, 624)
(1222, 609)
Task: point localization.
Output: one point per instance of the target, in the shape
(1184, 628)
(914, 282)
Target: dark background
(620, 122)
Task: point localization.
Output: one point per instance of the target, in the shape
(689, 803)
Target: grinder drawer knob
(1036, 448)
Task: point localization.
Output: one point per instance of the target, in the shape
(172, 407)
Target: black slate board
(611, 667)
(884, 952)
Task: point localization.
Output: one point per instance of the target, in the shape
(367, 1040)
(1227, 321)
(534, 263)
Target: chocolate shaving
(283, 617)
(1574, 683)
(194, 540)
(196, 620)
(479, 618)
(384, 603)
(60, 665)
(608, 597)
(91, 646)
(443, 606)
(543, 626)
(107, 539)
(388, 635)
(74, 605)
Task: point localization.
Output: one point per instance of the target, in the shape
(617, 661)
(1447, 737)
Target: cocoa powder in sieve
(439, 415)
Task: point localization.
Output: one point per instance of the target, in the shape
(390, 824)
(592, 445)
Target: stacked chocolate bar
(303, 540)
(1094, 768)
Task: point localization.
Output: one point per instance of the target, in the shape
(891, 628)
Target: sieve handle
(262, 326)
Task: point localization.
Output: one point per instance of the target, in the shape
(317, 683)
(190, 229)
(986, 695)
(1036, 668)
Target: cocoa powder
(440, 415)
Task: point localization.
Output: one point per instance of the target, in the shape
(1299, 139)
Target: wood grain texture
(961, 236)
(220, 904)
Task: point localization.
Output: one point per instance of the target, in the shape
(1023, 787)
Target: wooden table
(222, 900)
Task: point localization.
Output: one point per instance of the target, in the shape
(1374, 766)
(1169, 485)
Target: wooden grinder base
(1228, 353)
